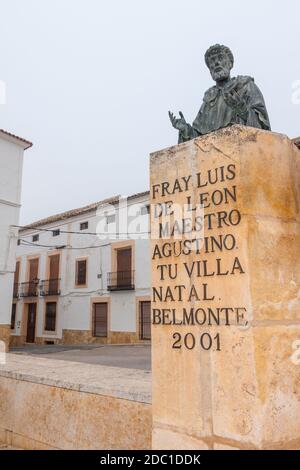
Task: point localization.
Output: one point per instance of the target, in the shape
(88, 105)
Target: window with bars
(55, 233)
(84, 225)
(81, 272)
(145, 320)
(50, 321)
(13, 316)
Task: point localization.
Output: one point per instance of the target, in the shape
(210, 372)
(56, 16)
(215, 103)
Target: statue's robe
(216, 113)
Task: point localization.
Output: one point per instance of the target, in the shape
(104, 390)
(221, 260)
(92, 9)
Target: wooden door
(54, 274)
(100, 320)
(31, 320)
(124, 273)
(145, 320)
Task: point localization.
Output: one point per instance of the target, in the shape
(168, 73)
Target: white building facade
(84, 276)
(11, 167)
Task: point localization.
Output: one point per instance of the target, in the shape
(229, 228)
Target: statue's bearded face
(220, 66)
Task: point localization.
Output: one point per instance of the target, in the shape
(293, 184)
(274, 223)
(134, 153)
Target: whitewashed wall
(11, 165)
(73, 310)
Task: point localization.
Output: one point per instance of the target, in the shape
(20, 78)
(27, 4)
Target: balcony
(16, 290)
(120, 280)
(50, 287)
(29, 289)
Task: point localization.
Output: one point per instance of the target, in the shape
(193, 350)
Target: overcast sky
(90, 83)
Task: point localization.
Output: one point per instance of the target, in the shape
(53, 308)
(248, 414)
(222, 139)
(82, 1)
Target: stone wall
(73, 406)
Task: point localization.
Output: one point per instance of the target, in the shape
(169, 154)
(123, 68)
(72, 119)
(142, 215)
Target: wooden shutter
(17, 273)
(54, 267)
(124, 273)
(16, 280)
(33, 276)
(145, 320)
(33, 269)
(54, 273)
(81, 272)
(100, 320)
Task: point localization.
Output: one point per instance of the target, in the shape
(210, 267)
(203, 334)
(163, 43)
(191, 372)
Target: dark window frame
(145, 210)
(84, 225)
(13, 316)
(50, 321)
(79, 281)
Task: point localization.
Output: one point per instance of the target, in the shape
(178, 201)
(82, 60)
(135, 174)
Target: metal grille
(145, 320)
(29, 289)
(120, 280)
(50, 287)
(100, 320)
(50, 316)
(81, 272)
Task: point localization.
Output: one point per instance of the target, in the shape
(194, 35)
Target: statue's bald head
(219, 59)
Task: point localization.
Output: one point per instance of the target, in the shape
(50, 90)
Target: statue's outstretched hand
(179, 124)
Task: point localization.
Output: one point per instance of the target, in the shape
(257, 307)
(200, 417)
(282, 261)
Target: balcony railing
(120, 280)
(50, 287)
(29, 289)
(16, 290)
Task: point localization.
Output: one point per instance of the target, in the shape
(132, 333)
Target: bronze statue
(231, 101)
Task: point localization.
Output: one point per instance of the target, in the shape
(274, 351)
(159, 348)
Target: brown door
(124, 274)
(145, 320)
(31, 319)
(100, 320)
(33, 277)
(16, 279)
(54, 274)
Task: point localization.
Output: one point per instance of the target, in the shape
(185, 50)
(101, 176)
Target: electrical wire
(76, 233)
(59, 247)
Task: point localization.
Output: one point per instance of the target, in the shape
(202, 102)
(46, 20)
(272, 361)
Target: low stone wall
(49, 404)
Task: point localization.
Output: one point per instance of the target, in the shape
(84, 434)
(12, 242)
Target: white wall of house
(74, 304)
(11, 166)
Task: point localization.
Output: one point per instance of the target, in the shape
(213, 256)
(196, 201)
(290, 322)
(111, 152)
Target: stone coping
(127, 384)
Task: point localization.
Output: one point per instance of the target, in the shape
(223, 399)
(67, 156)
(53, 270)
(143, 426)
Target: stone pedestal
(226, 299)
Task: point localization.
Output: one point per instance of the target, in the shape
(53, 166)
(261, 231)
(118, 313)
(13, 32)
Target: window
(100, 320)
(122, 278)
(84, 226)
(19, 242)
(110, 219)
(145, 210)
(145, 320)
(56, 233)
(81, 274)
(13, 317)
(35, 238)
(50, 321)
